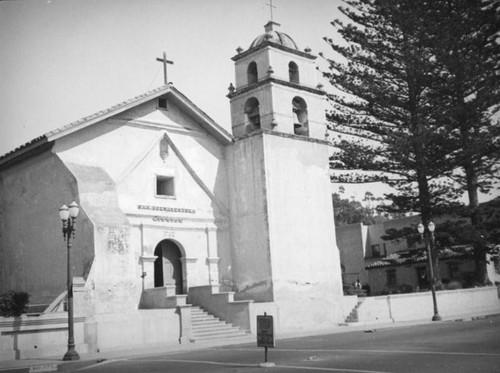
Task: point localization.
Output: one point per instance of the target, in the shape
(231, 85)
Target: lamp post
(68, 216)
(431, 227)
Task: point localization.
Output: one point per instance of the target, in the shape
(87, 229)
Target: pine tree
(381, 112)
(464, 37)
(415, 102)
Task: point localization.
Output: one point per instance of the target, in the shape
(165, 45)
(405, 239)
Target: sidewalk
(87, 360)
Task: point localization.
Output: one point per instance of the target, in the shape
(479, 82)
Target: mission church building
(175, 212)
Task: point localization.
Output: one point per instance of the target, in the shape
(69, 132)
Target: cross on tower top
(165, 62)
(271, 6)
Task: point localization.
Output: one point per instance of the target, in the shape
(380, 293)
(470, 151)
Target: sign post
(265, 336)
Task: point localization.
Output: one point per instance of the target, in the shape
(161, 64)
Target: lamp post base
(436, 317)
(71, 354)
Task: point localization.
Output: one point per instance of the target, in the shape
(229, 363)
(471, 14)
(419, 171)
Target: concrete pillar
(212, 257)
(186, 333)
(148, 271)
(213, 270)
(187, 268)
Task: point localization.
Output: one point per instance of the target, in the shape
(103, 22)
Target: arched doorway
(168, 266)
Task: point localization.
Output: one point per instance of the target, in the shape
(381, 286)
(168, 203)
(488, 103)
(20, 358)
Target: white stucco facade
(170, 202)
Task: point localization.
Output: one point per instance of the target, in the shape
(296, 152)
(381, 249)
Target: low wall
(419, 306)
(47, 335)
(142, 328)
(28, 337)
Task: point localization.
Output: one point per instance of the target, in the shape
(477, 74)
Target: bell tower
(276, 88)
(283, 233)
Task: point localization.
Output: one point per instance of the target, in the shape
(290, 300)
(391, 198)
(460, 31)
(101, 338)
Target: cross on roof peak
(165, 62)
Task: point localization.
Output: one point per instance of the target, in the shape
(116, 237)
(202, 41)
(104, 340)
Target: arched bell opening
(252, 114)
(252, 73)
(293, 72)
(300, 117)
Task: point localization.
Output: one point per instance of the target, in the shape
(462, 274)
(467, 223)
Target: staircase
(353, 316)
(207, 327)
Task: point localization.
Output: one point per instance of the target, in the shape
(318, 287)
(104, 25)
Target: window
(293, 72)
(377, 251)
(162, 103)
(391, 278)
(252, 75)
(165, 186)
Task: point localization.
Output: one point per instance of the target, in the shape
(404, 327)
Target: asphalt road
(466, 346)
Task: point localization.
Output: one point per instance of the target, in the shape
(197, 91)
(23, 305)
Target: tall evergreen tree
(465, 39)
(417, 85)
(381, 114)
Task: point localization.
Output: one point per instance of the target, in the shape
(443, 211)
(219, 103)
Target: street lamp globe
(420, 228)
(431, 227)
(73, 209)
(64, 212)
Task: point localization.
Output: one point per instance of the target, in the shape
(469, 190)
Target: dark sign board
(265, 331)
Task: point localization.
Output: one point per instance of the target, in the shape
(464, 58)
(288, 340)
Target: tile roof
(408, 257)
(115, 109)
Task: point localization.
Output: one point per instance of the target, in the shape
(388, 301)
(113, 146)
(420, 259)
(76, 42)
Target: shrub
(405, 289)
(351, 290)
(453, 284)
(13, 303)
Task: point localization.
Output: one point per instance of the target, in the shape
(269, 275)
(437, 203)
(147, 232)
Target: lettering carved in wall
(167, 209)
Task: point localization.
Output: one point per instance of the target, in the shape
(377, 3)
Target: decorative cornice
(189, 260)
(276, 81)
(265, 44)
(147, 258)
(266, 131)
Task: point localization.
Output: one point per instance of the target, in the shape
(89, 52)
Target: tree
(381, 113)
(464, 37)
(349, 212)
(419, 87)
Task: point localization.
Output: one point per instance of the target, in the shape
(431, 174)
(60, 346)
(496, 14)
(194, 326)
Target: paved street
(466, 346)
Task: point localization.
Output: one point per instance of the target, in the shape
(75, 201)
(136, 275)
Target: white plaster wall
(284, 242)
(116, 163)
(351, 246)
(33, 255)
(143, 330)
(251, 267)
(418, 306)
(302, 234)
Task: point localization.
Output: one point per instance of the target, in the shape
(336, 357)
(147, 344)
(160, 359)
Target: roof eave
(114, 110)
(205, 121)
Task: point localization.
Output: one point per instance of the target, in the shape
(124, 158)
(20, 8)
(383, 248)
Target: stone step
(216, 331)
(206, 327)
(206, 337)
(204, 319)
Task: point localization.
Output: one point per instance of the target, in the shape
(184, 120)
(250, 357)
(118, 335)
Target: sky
(62, 60)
